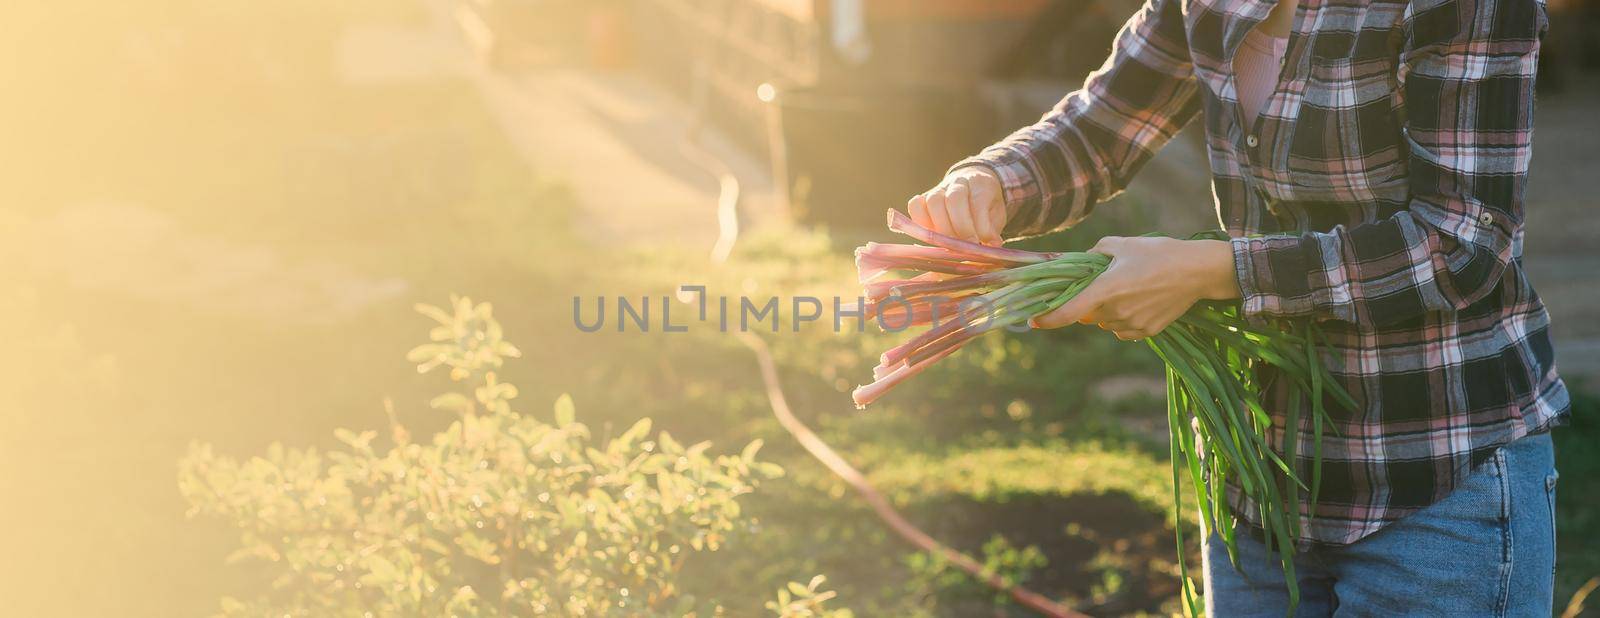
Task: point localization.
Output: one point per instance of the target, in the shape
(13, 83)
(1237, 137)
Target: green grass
(1577, 511)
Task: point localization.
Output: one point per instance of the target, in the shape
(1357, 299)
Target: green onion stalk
(1220, 431)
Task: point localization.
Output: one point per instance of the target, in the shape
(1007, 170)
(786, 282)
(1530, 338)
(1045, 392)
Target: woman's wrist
(1210, 264)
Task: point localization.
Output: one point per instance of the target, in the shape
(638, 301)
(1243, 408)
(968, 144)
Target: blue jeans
(1487, 549)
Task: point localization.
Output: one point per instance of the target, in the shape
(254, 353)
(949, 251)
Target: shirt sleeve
(1467, 78)
(1089, 145)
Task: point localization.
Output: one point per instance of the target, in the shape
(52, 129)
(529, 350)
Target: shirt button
(1486, 219)
(1252, 141)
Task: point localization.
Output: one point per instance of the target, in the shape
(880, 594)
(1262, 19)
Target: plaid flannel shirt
(1379, 191)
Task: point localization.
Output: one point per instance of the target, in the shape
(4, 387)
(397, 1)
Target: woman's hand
(1150, 283)
(967, 204)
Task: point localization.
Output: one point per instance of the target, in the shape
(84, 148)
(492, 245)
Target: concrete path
(617, 140)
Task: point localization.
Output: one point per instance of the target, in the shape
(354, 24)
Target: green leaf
(433, 312)
(359, 441)
(424, 352)
(669, 492)
(478, 547)
(750, 450)
(381, 571)
(566, 413)
(638, 430)
(455, 402)
(669, 446)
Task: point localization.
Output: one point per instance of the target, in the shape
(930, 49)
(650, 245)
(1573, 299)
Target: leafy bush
(806, 601)
(498, 514)
(934, 574)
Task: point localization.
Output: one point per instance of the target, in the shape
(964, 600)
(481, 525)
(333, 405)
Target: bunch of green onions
(961, 290)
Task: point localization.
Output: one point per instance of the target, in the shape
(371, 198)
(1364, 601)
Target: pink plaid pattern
(1380, 191)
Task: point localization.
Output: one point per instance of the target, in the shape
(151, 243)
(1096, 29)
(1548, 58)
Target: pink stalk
(968, 282)
(914, 312)
(987, 303)
(932, 277)
(954, 340)
(915, 287)
(864, 395)
(923, 310)
(905, 361)
(871, 308)
(900, 352)
(879, 290)
(870, 266)
(922, 313)
(935, 347)
(893, 302)
(899, 222)
(959, 338)
(895, 251)
(892, 292)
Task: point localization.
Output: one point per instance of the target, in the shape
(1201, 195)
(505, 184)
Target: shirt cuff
(1263, 265)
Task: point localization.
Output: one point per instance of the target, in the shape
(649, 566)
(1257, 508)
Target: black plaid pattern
(1380, 191)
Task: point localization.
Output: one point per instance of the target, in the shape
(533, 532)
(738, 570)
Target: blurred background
(216, 216)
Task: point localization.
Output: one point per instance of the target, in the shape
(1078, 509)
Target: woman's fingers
(1124, 330)
(938, 212)
(1085, 304)
(959, 207)
(917, 207)
(988, 209)
(985, 223)
(1108, 245)
(966, 205)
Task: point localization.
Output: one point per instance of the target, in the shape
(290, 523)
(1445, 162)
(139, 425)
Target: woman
(1369, 159)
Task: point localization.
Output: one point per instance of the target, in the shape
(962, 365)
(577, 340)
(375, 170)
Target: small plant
(806, 601)
(1013, 565)
(499, 514)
